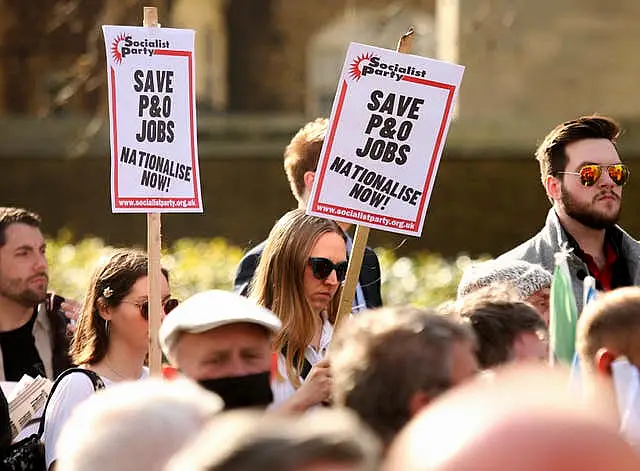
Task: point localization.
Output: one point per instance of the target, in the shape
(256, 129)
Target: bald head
(520, 419)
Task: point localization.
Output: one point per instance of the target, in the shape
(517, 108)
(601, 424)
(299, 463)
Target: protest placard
(26, 401)
(387, 130)
(154, 155)
(160, 79)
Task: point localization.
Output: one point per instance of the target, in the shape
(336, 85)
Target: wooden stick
(361, 236)
(150, 18)
(405, 43)
(154, 243)
(353, 273)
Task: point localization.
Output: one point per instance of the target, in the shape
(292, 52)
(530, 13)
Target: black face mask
(242, 391)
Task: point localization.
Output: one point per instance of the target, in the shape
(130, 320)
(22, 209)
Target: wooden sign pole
(154, 243)
(362, 233)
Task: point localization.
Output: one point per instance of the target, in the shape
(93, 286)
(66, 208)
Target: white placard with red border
(386, 133)
(152, 110)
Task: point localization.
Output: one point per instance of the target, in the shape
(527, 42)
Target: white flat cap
(211, 309)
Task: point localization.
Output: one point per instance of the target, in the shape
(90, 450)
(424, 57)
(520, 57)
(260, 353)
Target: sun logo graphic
(116, 48)
(355, 69)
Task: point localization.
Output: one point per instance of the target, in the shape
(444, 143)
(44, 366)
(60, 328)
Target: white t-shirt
(626, 381)
(72, 390)
(283, 389)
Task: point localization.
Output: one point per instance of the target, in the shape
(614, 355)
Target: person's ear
(308, 177)
(603, 360)
(553, 186)
(103, 309)
(418, 401)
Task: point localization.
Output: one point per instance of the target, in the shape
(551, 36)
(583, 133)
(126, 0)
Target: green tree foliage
(197, 265)
(424, 279)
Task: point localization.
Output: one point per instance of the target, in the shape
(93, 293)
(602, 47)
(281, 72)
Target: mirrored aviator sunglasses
(168, 306)
(322, 267)
(590, 174)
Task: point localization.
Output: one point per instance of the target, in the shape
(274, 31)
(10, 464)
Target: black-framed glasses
(590, 174)
(168, 306)
(322, 267)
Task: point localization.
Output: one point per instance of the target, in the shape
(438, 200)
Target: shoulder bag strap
(96, 381)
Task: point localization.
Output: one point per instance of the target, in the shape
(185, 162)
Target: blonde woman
(299, 278)
(110, 339)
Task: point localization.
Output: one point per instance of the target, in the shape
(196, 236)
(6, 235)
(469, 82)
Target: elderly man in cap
(223, 341)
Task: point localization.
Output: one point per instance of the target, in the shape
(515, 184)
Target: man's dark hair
(497, 323)
(10, 216)
(382, 358)
(551, 152)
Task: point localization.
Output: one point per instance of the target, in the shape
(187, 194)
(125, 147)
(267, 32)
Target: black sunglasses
(168, 306)
(322, 267)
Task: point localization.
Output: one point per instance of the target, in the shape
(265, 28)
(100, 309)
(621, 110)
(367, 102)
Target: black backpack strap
(96, 381)
(53, 303)
(60, 334)
(306, 364)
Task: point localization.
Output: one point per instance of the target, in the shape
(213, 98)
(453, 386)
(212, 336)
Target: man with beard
(33, 332)
(583, 177)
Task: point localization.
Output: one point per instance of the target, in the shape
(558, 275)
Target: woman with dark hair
(299, 278)
(110, 339)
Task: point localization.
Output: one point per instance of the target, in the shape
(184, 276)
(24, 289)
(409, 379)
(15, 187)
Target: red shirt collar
(604, 275)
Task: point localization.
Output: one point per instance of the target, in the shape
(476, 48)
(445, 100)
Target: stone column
(208, 18)
(532, 64)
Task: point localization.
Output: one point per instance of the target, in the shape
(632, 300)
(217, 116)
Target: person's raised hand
(71, 309)
(315, 390)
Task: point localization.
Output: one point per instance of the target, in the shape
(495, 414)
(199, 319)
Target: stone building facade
(267, 66)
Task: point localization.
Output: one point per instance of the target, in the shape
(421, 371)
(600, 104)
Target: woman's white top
(282, 388)
(72, 390)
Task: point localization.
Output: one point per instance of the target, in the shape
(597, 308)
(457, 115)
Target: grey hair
(526, 278)
(135, 425)
(274, 442)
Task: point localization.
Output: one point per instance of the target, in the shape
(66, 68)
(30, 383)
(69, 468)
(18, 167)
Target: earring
(106, 327)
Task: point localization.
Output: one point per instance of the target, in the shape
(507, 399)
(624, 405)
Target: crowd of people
(265, 378)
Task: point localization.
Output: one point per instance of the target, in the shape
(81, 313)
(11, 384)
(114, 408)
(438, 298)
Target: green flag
(563, 314)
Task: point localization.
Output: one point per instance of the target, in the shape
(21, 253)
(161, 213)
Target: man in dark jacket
(300, 161)
(583, 177)
(33, 329)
